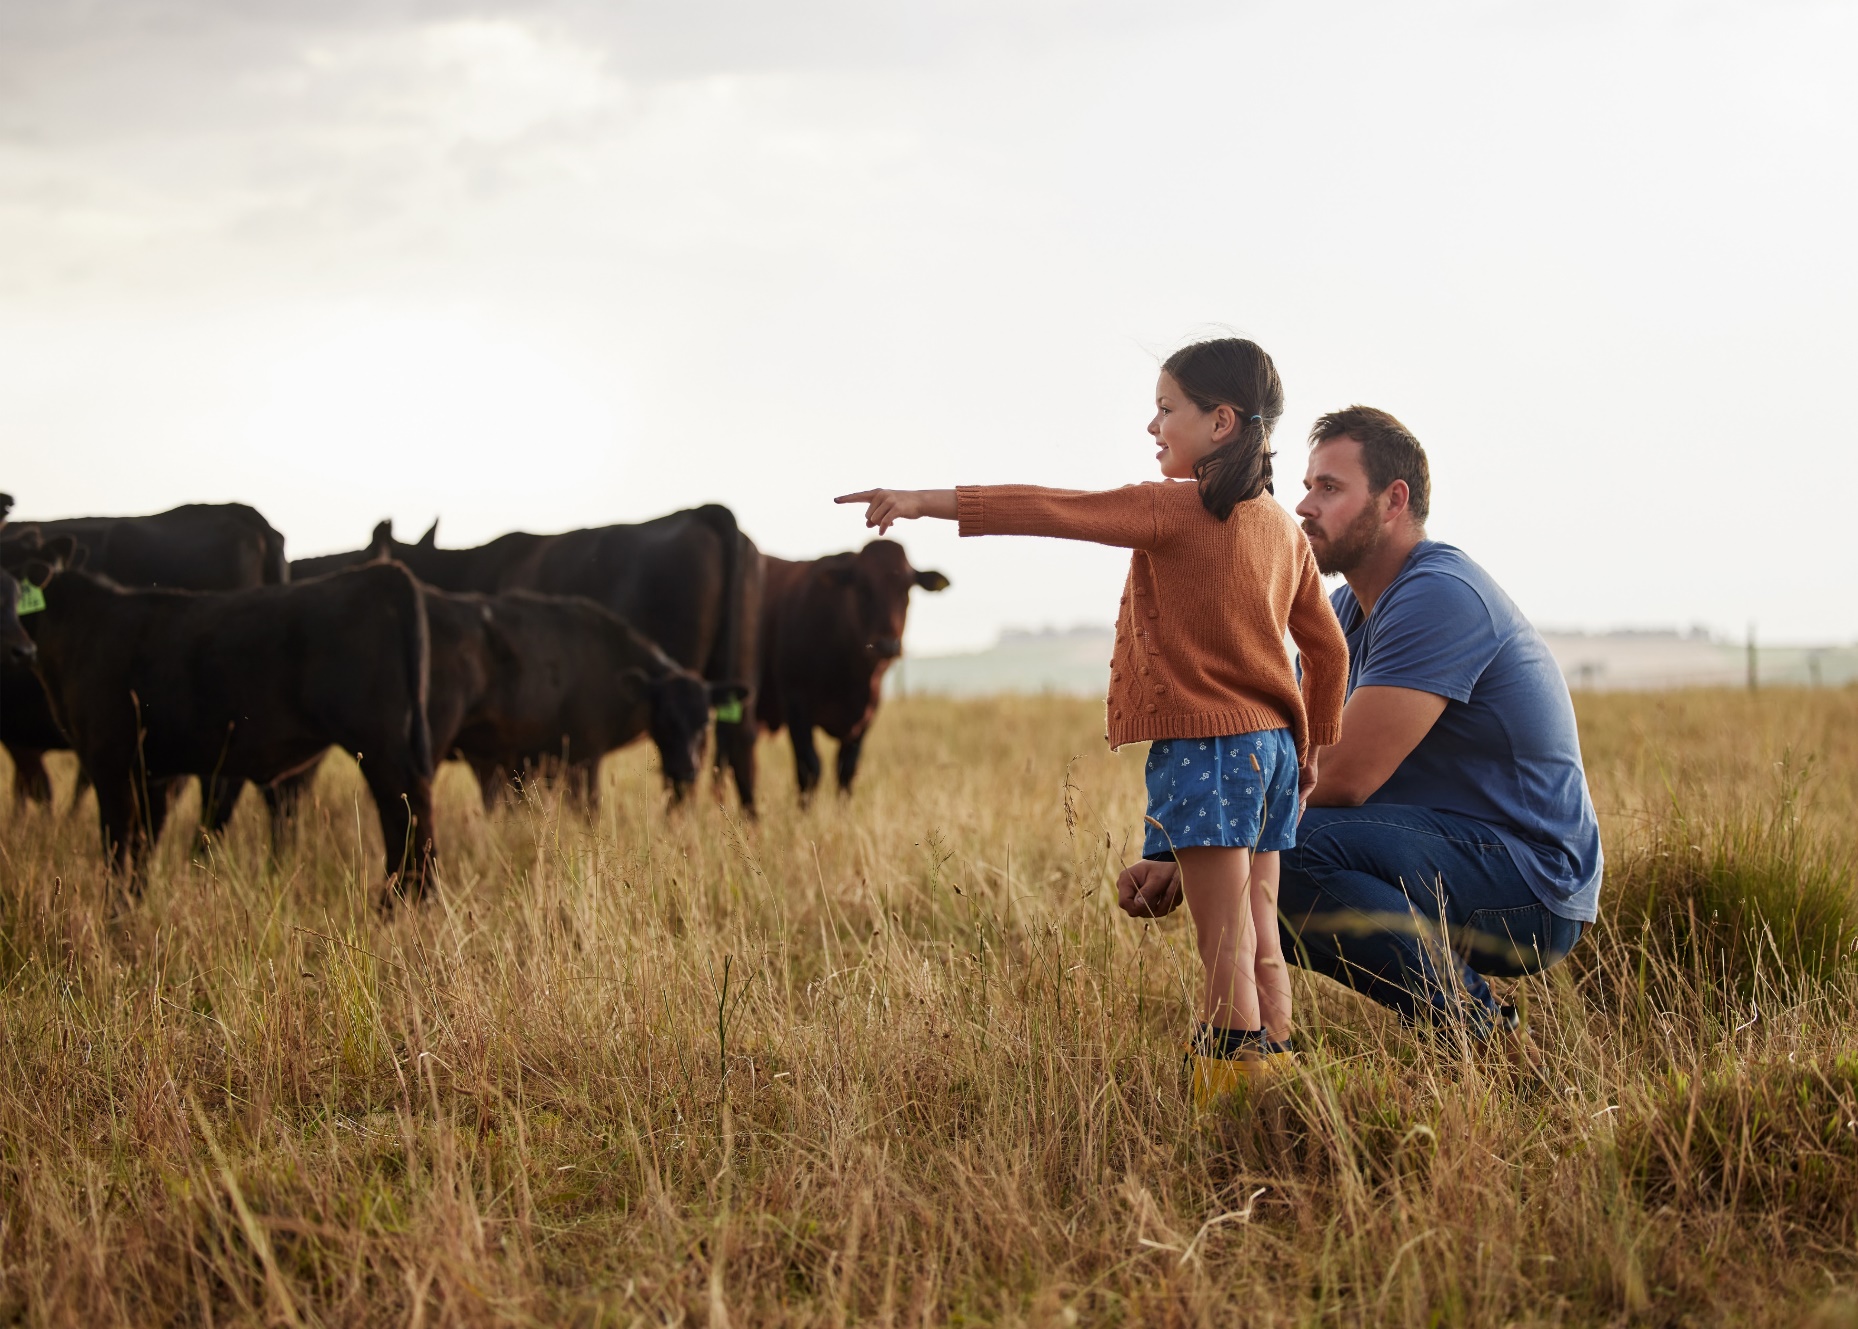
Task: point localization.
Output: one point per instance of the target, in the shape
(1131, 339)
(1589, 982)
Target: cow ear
(6, 506)
(721, 694)
(381, 539)
(64, 551)
(932, 581)
(38, 572)
(431, 537)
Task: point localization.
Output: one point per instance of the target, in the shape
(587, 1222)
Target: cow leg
(580, 785)
(497, 783)
(31, 784)
(218, 797)
(403, 800)
(283, 798)
(846, 768)
(735, 748)
(806, 756)
(120, 825)
(493, 782)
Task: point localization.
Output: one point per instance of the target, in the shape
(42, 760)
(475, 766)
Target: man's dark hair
(1389, 452)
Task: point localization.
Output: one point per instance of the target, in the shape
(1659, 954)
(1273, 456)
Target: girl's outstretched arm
(884, 506)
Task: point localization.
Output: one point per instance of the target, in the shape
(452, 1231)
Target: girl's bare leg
(1217, 885)
(1270, 972)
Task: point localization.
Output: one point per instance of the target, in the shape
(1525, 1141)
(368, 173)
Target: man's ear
(931, 581)
(1399, 497)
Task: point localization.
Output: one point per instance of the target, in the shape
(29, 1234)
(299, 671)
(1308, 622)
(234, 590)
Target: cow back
(196, 547)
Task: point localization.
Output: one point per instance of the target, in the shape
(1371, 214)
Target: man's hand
(883, 507)
(1148, 889)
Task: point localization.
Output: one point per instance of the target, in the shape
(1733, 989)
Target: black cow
(689, 581)
(829, 630)
(572, 681)
(153, 685)
(522, 681)
(15, 646)
(198, 547)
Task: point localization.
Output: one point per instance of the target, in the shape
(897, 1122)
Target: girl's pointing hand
(885, 506)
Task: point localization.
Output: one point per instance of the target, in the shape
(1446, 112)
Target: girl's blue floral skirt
(1237, 792)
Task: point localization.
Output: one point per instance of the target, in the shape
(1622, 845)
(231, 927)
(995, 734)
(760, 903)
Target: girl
(1218, 572)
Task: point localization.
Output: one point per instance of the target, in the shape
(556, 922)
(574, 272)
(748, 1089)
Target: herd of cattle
(185, 645)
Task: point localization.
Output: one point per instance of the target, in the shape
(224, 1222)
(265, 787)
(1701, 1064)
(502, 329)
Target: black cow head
(874, 584)
(27, 564)
(14, 643)
(680, 702)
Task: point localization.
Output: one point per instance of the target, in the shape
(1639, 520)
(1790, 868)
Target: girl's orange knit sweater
(1200, 636)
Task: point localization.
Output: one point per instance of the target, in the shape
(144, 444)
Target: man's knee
(1319, 842)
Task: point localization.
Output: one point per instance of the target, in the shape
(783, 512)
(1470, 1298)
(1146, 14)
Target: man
(1449, 834)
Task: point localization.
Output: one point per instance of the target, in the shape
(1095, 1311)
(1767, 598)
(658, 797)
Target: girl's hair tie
(1258, 417)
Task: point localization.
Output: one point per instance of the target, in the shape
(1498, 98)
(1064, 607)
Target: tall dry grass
(900, 1061)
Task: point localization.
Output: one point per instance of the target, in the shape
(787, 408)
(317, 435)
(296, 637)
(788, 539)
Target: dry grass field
(900, 1061)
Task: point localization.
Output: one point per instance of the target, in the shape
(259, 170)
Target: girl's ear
(1225, 423)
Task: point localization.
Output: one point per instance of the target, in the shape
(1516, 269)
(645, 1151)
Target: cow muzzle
(885, 648)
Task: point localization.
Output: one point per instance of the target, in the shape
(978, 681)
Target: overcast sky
(549, 263)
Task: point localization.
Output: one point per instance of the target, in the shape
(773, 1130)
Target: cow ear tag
(730, 712)
(31, 598)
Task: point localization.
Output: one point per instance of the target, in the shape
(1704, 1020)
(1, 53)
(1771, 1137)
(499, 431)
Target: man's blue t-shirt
(1504, 751)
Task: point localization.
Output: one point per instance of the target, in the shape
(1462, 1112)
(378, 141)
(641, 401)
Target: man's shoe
(1520, 1049)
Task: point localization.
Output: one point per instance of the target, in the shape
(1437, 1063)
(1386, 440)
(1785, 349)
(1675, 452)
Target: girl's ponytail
(1237, 373)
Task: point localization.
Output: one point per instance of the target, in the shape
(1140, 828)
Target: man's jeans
(1364, 894)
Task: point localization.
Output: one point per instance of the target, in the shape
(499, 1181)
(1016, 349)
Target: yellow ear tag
(31, 598)
(730, 712)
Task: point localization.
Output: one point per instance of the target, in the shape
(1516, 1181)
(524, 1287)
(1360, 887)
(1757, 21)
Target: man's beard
(1346, 551)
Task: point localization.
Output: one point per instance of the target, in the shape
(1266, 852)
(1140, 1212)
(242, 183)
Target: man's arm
(1380, 726)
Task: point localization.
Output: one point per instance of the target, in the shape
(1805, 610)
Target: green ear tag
(730, 712)
(31, 598)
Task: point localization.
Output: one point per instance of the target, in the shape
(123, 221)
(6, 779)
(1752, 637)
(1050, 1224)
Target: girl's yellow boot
(1215, 1078)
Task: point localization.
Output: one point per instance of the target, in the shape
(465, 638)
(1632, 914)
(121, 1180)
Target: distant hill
(1073, 661)
(1077, 661)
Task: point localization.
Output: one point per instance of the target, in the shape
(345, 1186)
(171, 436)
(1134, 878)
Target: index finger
(864, 497)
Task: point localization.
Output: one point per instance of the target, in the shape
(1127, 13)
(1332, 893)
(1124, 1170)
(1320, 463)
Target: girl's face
(1185, 432)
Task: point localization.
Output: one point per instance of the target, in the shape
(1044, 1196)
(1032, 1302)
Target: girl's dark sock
(1212, 1040)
